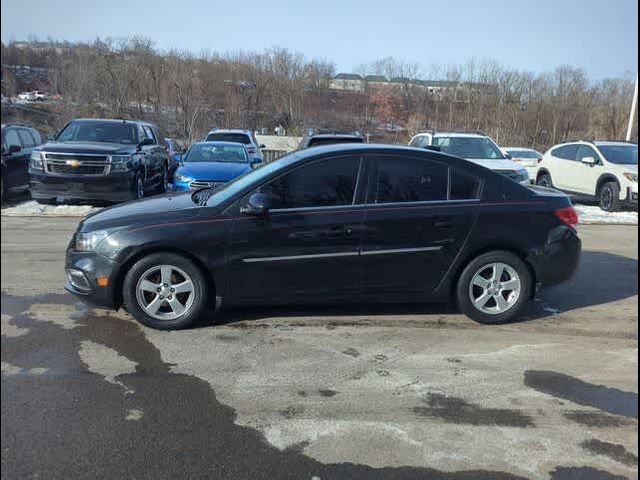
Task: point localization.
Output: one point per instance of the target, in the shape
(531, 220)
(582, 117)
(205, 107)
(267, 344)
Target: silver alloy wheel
(606, 198)
(495, 288)
(165, 292)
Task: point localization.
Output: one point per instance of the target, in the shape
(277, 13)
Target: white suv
(476, 147)
(605, 171)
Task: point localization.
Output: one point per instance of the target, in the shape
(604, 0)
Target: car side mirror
(261, 146)
(147, 141)
(508, 156)
(177, 157)
(14, 149)
(258, 205)
(589, 161)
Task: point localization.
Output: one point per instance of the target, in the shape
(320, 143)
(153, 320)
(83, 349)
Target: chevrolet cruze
(356, 223)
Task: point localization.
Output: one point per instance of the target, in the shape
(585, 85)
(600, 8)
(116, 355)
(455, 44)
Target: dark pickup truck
(97, 160)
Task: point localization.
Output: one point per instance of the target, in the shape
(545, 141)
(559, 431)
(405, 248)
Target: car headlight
(37, 161)
(103, 242)
(182, 178)
(121, 163)
(632, 177)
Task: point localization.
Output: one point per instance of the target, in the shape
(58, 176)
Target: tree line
(187, 94)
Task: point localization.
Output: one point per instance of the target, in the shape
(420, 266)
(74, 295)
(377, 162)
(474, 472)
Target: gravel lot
(361, 392)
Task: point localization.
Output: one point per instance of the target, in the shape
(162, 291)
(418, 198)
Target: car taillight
(569, 216)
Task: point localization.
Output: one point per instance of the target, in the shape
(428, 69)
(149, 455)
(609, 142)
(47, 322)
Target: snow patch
(591, 215)
(33, 209)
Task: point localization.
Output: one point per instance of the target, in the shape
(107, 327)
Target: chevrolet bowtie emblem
(73, 163)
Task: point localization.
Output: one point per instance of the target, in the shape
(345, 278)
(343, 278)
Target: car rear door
(308, 244)
(418, 214)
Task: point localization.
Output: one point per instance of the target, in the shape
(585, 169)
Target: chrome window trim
(402, 250)
(343, 254)
(367, 205)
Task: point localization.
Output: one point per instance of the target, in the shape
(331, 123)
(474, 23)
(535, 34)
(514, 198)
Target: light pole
(632, 116)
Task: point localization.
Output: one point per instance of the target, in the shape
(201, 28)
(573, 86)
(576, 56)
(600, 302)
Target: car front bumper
(83, 270)
(115, 187)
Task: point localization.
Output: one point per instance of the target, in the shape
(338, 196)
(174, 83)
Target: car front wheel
(165, 291)
(495, 288)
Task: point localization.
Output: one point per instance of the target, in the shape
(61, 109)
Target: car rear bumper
(558, 261)
(115, 187)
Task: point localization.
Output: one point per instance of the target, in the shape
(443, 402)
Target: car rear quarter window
(408, 179)
(565, 152)
(464, 186)
(326, 183)
(26, 138)
(229, 137)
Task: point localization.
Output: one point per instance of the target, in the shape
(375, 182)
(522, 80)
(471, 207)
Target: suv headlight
(37, 161)
(632, 177)
(121, 163)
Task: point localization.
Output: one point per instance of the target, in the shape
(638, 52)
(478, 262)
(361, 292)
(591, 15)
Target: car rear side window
(408, 179)
(11, 138)
(229, 137)
(566, 152)
(27, 139)
(464, 186)
(326, 183)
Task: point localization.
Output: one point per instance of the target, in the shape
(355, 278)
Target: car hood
(221, 171)
(497, 164)
(95, 148)
(140, 212)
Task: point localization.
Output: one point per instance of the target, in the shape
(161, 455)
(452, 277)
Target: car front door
(418, 214)
(307, 246)
(565, 166)
(14, 169)
(586, 178)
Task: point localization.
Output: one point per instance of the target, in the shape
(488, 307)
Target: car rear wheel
(165, 291)
(609, 197)
(544, 180)
(164, 182)
(494, 288)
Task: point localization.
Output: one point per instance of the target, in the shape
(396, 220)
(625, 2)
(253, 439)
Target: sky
(533, 35)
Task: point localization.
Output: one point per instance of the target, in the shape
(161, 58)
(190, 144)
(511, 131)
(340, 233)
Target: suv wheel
(165, 291)
(609, 197)
(494, 288)
(164, 183)
(544, 180)
(138, 186)
(2, 192)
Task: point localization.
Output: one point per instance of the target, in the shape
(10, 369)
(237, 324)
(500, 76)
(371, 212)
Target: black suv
(17, 143)
(100, 160)
(318, 139)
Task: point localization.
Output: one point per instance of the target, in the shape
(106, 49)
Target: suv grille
(70, 164)
(196, 184)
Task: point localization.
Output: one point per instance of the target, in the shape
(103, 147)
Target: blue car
(210, 164)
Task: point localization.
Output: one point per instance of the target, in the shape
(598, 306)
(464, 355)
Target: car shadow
(601, 278)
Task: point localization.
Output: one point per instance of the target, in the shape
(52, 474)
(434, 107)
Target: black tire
(544, 180)
(609, 197)
(46, 201)
(463, 289)
(144, 265)
(164, 181)
(2, 190)
(139, 191)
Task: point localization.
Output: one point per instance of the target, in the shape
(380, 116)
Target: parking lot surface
(343, 392)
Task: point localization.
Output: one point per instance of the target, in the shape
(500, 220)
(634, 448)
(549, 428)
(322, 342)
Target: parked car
(175, 150)
(321, 139)
(365, 223)
(18, 141)
(212, 164)
(477, 147)
(526, 157)
(34, 96)
(246, 137)
(604, 171)
(99, 160)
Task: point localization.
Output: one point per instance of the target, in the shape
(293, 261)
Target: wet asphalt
(61, 419)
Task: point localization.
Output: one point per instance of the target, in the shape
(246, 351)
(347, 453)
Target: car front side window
(586, 151)
(325, 183)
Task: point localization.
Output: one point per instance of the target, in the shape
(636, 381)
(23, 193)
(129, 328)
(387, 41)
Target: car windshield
(480, 148)
(524, 153)
(102, 132)
(229, 137)
(620, 154)
(232, 188)
(216, 153)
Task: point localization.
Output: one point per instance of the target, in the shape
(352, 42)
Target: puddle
(563, 386)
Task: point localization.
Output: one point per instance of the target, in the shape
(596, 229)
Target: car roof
(459, 135)
(520, 148)
(230, 130)
(112, 120)
(613, 143)
(233, 144)
(336, 135)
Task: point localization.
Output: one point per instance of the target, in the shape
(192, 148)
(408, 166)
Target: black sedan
(357, 223)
